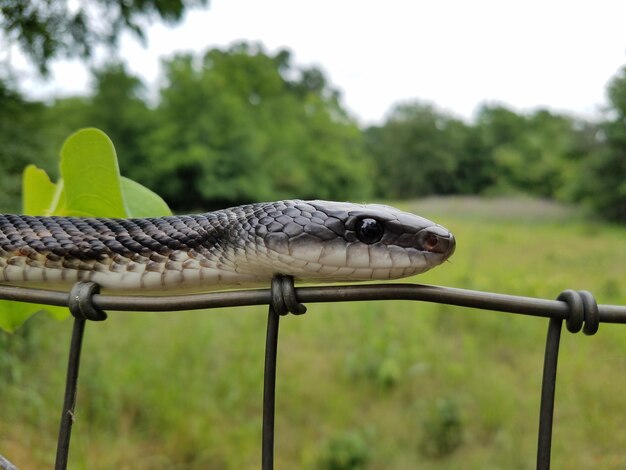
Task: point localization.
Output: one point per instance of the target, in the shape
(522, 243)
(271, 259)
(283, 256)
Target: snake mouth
(436, 239)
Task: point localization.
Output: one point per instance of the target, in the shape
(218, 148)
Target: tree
(119, 108)
(417, 151)
(241, 125)
(530, 153)
(46, 29)
(234, 125)
(21, 143)
(603, 174)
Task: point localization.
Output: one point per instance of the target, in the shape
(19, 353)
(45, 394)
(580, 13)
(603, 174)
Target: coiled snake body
(240, 246)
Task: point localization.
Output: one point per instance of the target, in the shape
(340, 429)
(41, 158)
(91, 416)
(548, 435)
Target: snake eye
(369, 231)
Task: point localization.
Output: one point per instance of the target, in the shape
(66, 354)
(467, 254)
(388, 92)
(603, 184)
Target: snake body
(240, 246)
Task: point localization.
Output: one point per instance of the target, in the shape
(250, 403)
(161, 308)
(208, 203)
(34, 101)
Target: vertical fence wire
(69, 402)
(283, 300)
(548, 389)
(80, 304)
(583, 314)
(269, 390)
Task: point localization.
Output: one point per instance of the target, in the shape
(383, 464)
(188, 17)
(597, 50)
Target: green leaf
(91, 176)
(38, 192)
(91, 186)
(142, 202)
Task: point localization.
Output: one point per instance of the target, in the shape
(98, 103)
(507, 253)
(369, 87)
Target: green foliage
(604, 186)
(91, 178)
(442, 430)
(21, 143)
(417, 151)
(232, 128)
(530, 153)
(378, 358)
(239, 125)
(44, 29)
(235, 125)
(39, 191)
(347, 451)
(423, 151)
(16, 349)
(602, 180)
(119, 107)
(90, 185)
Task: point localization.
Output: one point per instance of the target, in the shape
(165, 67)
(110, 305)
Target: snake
(243, 246)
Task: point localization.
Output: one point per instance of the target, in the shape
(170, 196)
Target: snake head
(337, 241)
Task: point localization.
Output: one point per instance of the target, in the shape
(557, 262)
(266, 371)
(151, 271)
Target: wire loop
(583, 311)
(80, 302)
(576, 315)
(592, 316)
(283, 296)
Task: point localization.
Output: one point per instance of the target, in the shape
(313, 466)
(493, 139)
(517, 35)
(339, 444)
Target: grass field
(375, 385)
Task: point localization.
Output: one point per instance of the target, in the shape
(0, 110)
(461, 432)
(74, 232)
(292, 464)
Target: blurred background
(505, 122)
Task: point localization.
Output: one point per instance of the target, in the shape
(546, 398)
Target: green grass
(364, 385)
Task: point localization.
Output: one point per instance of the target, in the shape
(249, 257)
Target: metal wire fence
(577, 308)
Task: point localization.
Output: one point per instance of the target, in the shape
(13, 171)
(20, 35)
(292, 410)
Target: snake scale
(313, 241)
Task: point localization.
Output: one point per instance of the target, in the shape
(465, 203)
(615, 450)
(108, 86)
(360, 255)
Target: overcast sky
(457, 53)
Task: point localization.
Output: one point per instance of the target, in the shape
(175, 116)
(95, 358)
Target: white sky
(457, 53)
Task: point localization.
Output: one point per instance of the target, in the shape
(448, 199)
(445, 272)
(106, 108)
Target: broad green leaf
(38, 192)
(142, 202)
(91, 175)
(91, 186)
(39, 197)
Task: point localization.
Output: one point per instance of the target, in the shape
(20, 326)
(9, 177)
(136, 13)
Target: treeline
(239, 124)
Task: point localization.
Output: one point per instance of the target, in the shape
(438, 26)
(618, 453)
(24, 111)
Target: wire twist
(583, 314)
(80, 302)
(583, 311)
(283, 296)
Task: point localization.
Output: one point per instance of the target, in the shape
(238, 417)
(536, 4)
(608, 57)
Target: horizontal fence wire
(341, 293)
(577, 308)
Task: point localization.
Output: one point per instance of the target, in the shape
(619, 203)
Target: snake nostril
(430, 242)
(436, 240)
